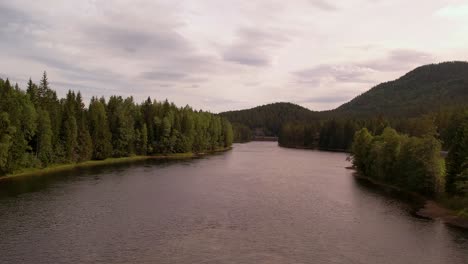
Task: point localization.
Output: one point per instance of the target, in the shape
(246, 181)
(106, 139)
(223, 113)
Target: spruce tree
(99, 130)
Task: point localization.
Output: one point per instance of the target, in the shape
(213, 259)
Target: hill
(422, 90)
(267, 119)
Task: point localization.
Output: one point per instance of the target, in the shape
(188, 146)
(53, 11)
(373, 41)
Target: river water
(258, 203)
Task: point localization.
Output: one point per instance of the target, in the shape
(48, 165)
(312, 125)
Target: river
(258, 203)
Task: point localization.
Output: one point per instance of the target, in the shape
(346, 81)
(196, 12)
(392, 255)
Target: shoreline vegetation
(415, 165)
(40, 130)
(435, 209)
(56, 168)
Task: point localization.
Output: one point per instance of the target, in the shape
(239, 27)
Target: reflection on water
(256, 204)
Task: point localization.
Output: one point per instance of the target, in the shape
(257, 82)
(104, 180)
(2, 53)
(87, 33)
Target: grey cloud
(135, 40)
(252, 46)
(163, 76)
(11, 15)
(396, 60)
(171, 76)
(55, 63)
(161, 49)
(72, 71)
(399, 60)
(323, 5)
(72, 86)
(247, 56)
(340, 73)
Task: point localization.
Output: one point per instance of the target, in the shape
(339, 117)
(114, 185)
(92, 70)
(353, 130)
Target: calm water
(256, 204)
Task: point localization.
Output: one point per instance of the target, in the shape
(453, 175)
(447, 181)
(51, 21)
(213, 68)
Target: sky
(226, 55)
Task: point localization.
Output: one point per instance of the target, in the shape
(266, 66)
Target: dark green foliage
(242, 133)
(99, 130)
(6, 135)
(44, 138)
(269, 118)
(414, 163)
(457, 159)
(38, 129)
(299, 135)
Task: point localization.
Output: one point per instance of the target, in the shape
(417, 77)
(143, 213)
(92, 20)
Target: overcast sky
(222, 54)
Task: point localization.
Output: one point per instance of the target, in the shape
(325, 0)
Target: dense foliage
(266, 119)
(413, 163)
(37, 128)
(457, 160)
(416, 163)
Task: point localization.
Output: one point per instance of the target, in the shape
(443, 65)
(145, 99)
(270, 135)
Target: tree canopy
(38, 129)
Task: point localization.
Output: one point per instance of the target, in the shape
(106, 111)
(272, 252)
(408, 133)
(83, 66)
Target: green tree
(44, 138)
(457, 157)
(361, 150)
(99, 130)
(6, 132)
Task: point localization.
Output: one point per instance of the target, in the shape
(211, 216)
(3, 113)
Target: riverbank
(427, 208)
(109, 161)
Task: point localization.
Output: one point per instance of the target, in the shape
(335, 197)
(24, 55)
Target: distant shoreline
(314, 148)
(96, 163)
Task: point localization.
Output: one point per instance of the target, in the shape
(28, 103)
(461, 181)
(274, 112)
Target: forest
(38, 129)
(415, 163)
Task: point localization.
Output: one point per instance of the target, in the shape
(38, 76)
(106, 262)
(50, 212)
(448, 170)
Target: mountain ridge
(422, 90)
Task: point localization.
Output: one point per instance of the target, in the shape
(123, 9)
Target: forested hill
(270, 117)
(422, 90)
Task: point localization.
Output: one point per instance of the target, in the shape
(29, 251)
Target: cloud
(132, 41)
(399, 60)
(453, 11)
(253, 45)
(338, 73)
(323, 5)
(163, 76)
(244, 55)
(361, 72)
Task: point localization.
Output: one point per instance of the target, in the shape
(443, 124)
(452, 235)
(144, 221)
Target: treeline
(415, 163)
(266, 120)
(400, 103)
(38, 129)
(337, 133)
(333, 134)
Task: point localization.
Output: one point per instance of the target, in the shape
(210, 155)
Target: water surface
(255, 204)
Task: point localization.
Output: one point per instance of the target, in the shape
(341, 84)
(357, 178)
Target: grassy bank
(94, 163)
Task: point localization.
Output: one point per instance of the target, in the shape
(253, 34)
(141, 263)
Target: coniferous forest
(38, 129)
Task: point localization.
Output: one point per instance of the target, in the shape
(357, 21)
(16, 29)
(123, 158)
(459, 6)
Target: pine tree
(6, 132)
(99, 130)
(69, 132)
(84, 142)
(44, 138)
